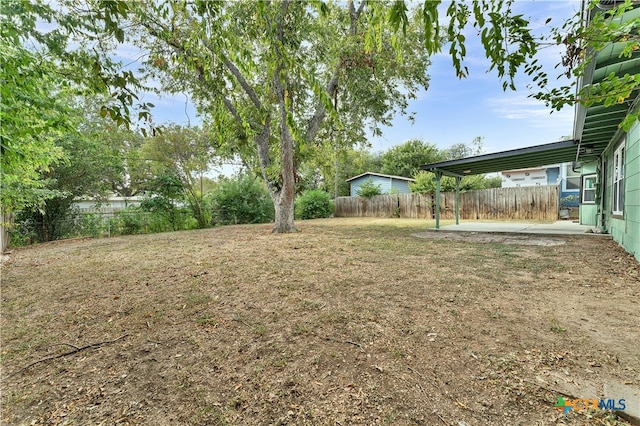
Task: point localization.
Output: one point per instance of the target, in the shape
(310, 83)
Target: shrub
(369, 189)
(128, 221)
(23, 232)
(313, 204)
(241, 200)
(89, 224)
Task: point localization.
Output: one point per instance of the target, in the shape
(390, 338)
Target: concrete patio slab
(561, 227)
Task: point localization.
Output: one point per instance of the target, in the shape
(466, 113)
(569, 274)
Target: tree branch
(243, 81)
(355, 15)
(71, 352)
(320, 113)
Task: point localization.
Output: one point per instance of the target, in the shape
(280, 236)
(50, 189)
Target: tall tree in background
(186, 153)
(425, 181)
(130, 173)
(406, 159)
(462, 150)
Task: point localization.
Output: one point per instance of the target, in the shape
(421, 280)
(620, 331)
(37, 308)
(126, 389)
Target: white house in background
(555, 174)
(112, 203)
(537, 176)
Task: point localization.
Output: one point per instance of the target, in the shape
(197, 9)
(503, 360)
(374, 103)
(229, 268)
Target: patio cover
(522, 158)
(533, 156)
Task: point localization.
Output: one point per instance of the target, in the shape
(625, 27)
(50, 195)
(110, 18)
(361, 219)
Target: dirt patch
(484, 237)
(346, 322)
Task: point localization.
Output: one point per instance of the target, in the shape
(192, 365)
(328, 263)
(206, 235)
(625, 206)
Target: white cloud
(531, 112)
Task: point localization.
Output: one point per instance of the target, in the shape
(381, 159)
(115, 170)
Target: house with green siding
(607, 156)
(604, 156)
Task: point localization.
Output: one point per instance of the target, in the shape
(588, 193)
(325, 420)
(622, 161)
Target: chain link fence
(99, 224)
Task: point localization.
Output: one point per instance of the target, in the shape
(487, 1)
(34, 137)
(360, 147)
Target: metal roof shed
(533, 156)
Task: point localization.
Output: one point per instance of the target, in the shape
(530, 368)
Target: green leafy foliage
(165, 192)
(130, 221)
(313, 204)
(45, 68)
(271, 87)
(31, 115)
(506, 37)
(406, 159)
(584, 37)
(129, 169)
(425, 183)
(185, 153)
(368, 189)
(83, 171)
(241, 200)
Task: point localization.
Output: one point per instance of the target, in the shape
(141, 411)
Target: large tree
(268, 73)
(29, 114)
(130, 173)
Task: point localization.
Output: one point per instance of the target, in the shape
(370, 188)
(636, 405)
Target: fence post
(458, 179)
(438, 178)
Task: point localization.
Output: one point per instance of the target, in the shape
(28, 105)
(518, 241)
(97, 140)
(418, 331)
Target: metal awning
(595, 126)
(532, 156)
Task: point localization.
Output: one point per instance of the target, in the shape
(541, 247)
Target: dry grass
(347, 322)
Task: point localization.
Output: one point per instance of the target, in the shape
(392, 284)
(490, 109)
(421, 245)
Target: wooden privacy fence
(528, 203)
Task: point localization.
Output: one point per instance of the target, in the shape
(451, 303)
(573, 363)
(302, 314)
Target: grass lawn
(350, 321)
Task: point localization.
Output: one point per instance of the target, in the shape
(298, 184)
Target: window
(618, 180)
(588, 189)
(573, 179)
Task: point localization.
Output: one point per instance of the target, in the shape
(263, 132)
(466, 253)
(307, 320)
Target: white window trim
(564, 177)
(585, 177)
(618, 177)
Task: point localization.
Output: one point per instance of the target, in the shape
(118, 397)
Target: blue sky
(452, 110)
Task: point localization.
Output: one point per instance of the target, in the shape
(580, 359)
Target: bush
(241, 200)
(369, 189)
(131, 220)
(313, 204)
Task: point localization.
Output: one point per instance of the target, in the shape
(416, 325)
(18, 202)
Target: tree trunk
(6, 220)
(284, 199)
(284, 213)
(284, 202)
